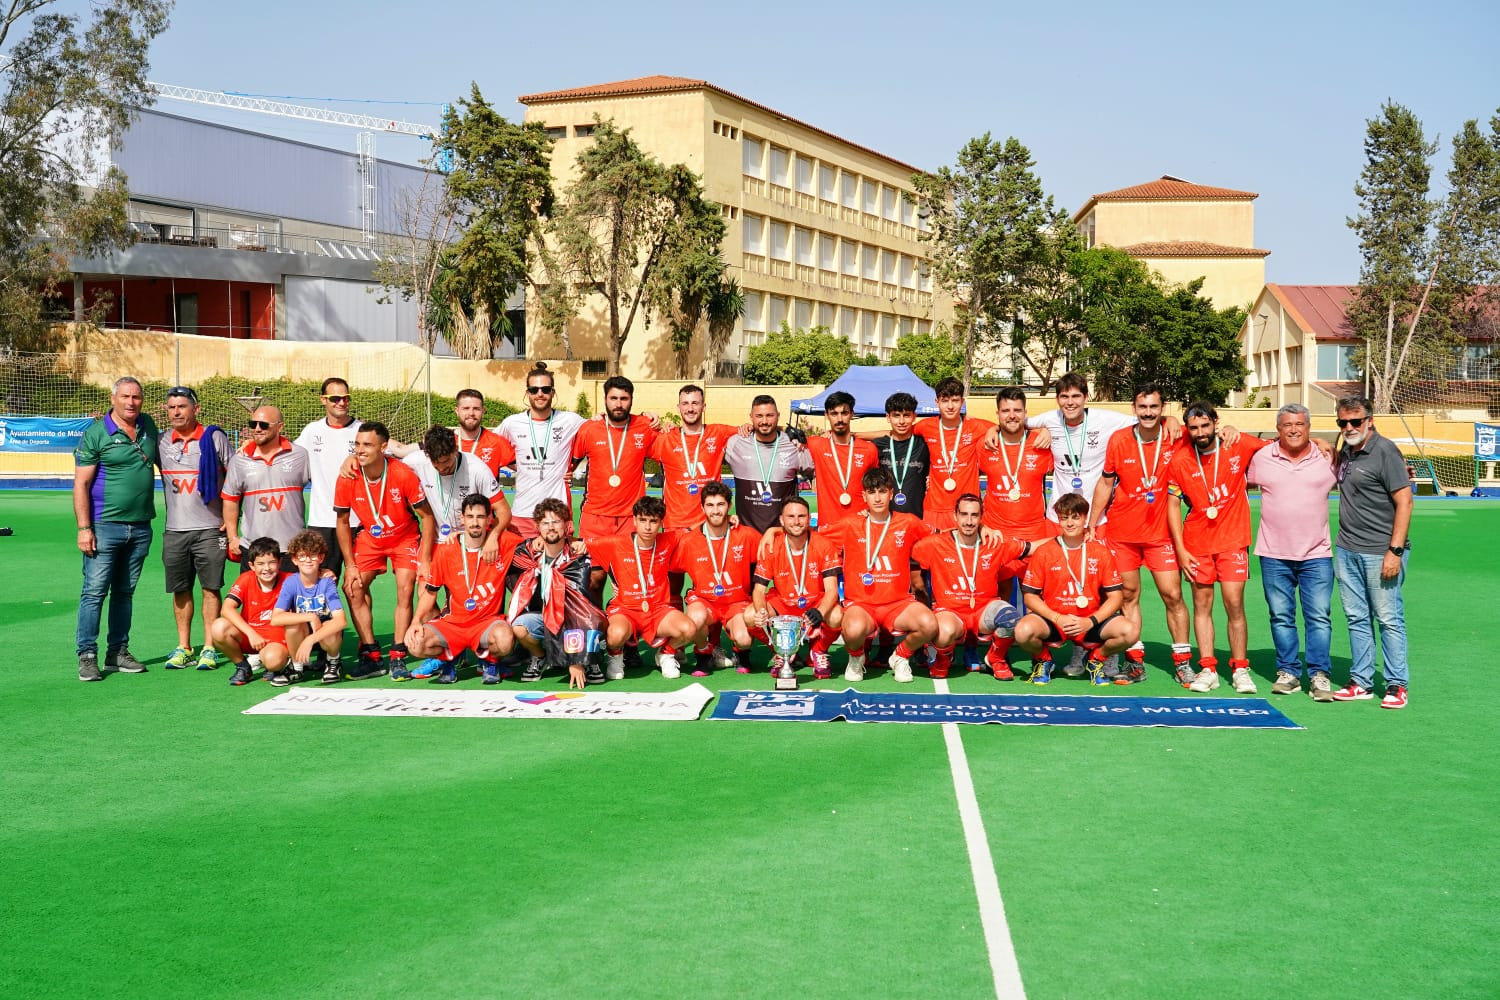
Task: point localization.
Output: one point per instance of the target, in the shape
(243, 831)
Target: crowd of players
(907, 563)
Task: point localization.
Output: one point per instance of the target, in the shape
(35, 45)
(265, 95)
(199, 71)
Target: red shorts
(721, 610)
(603, 525)
(459, 637)
(969, 616)
(885, 615)
(370, 554)
(643, 624)
(780, 604)
(273, 636)
(1158, 557)
(1222, 567)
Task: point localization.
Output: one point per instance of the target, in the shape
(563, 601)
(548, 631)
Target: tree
(641, 232)
(800, 357)
(932, 357)
(987, 217)
(427, 221)
(1048, 327)
(68, 90)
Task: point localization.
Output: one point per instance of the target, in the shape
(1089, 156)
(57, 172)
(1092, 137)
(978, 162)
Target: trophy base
(787, 683)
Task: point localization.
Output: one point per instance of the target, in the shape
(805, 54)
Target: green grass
(158, 843)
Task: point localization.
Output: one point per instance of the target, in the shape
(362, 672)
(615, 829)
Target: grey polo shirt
(765, 477)
(1367, 477)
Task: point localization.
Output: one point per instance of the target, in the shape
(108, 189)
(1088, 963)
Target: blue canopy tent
(870, 385)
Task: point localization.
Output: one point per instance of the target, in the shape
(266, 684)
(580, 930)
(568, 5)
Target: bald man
(264, 482)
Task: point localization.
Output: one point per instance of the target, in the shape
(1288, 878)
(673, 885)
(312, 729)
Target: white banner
(668, 706)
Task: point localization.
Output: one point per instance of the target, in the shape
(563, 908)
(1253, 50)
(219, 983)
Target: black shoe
(367, 664)
(632, 657)
(280, 679)
(242, 675)
(535, 667)
(593, 673)
(121, 661)
(332, 671)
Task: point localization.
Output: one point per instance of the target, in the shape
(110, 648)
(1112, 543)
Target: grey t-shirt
(1367, 477)
(181, 489)
(765, 477)
(269, 494)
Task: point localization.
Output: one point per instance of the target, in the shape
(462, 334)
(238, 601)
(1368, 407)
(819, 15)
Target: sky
(1268, 97)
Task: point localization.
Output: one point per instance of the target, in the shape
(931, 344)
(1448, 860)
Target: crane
(368, 124)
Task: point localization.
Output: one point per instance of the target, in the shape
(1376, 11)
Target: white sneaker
(723, 659)
(855, 671)
(1243, 682)
(901, 668)
(670, 668)
(615, 668)
(1207, 680)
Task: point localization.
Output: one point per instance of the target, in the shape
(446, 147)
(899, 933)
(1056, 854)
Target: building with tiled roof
(820, 232)
(1183, 231)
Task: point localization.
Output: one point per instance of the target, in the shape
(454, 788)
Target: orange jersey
(720, 567)
(1023, 468)
(618, 454)
(676, 451)
(1062, 576)
(828, 459)
(639, 584)
(390, 519)
(798, 577)
(881, 575)
(959, 462)
(479, 594)
(964, 578)
(1219, 486)
(1138, 512)
(257, 605)
(490, 448)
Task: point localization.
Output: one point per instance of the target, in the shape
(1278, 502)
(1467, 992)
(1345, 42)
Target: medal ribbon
(1150, 481)
(378, 511)
(1083, 564)
(1198, 456)
(463, 553)
(717, 560)
(692, 460)
(540, 455)
(869, 566)
(890, 444)
(833, 447)
(445, 502)
(801, 574)
(645, 577)
(614, 457)
(765, 475)
(950, 461)
(1011, 472)
(970, 573)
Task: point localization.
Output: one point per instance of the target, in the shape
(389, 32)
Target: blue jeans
(114, 569)
(1283, 580)
(1365, 594)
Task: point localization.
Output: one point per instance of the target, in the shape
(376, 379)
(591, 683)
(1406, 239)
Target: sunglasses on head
(258, 425)
(1355, 422)
(337, 399)
(534, 390)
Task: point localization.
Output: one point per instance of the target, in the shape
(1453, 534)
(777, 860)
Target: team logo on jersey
(395, 492)
(640, 440)
(1234, 465)
(737, 552)
(900, 537)
(1093, 437)
(1093, 564)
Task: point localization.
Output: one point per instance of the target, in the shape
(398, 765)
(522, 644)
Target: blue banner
(1487, 442)
(41, 433)
(1005, 709)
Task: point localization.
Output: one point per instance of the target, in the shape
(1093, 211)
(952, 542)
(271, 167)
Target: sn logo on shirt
(184, 484)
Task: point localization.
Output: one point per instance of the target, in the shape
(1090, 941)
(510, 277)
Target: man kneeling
(1074, 594)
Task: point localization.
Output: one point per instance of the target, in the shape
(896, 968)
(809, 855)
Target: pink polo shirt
(1293, 504)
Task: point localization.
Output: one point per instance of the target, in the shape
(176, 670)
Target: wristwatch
(1398, 550)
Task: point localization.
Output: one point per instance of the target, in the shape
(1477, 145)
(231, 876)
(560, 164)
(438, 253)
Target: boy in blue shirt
(309, 608)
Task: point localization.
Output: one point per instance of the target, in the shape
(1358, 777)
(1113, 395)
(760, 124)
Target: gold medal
(844, 499)
(614, 480)
(1211, 513)
(950, 484)
(1014, 494)
(1082, 601)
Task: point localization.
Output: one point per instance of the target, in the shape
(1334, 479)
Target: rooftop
(1321, 310)
(1167, 188)
(1191, 248)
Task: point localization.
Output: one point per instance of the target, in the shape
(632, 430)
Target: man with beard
(328, 442)
(718, 556)
(765, 466)
(839, 462)
(448, 476)
(616, 449)
(798, 577)
(264, 485)
(550, 613)
(487, 447)
(542, 440)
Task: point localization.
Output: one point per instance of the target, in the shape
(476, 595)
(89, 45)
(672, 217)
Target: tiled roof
(1321, 310)
(1191, 248)
(672, 84)
(1170, 188)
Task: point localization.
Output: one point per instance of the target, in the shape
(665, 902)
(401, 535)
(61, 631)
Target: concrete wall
(1122, 223)
(1228, 281)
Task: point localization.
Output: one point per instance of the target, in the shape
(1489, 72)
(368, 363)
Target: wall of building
(1228, 281)
(1123, 223)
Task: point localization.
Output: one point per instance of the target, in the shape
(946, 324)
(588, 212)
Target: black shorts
(334, 560)
(194, 556)
(1090, 638)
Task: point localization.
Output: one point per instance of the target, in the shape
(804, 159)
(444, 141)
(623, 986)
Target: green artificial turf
(156, 842)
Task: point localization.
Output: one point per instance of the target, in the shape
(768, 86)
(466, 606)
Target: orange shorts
(524, 526)
(459, 637)
(721, 610)
(603, 525)
(273, 636)
(969, 616)
(643, 624)
(885, 615)
(1222, 567)
(780, 604)
(370, 555)
(1158, 557)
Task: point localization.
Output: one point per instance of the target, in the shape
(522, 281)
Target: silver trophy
(787, 632)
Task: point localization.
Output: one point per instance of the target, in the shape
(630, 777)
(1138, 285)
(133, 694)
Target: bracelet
(85, 527)
(1094, 620)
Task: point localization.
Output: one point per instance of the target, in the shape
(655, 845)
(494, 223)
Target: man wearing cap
(194, 546)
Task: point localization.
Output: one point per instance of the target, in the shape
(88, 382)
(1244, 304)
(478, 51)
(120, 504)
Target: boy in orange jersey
(1073, 594)
(966, 577)
(839, 461)
(1213, 543)
(244, 621)
(718, 556)
(954, 443)
(877, 562)
(798, 575)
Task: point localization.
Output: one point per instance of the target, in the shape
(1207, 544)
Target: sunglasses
(337, 399)
(1355, 422)
(259, 425)
(536, 390)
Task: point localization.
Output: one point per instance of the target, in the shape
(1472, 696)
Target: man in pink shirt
(1295, 477)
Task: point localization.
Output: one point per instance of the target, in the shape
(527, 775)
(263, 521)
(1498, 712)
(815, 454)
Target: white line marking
(1006, 972)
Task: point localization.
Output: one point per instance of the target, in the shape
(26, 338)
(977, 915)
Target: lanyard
(800, 575)
(1212, 487)
(900, 475)
(473, 443)
(717, 559)
(614, 456)
(645, 577)
(969, 572)
(1081, 582)
(463, 553)
(378, 511)
(869, 563)
(445, 502)
(1150, 481)
(765, 473)
(1076, 458)
(540, 454)
(692, 460)
(843, 474)
(949, 460)
(1010, 472)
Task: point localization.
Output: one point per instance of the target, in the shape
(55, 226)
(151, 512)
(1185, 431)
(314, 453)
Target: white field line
(1007, 974)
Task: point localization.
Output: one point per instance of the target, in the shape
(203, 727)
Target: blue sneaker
(1097, 672)
(490, 671)
(449, 673)
(399, 672)
(427, 668)
(1041, 672)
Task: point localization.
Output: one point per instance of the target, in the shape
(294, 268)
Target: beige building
(819, 231)
(1183, 231)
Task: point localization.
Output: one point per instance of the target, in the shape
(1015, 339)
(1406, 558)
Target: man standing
(194, 546)
(1079, 438)
(904, 454)
(839, 462)
(328, 442)
(542, 439)
(1294, 551)
(114, 502)
(764, 466)
(954, 442)
(488, 448)
(264, 481)
(448, 475)
(799, 577)
(1371, 551)
(616, 449)
(690, 456)
(1133, 493)
(1213, 543)
(1015, 472)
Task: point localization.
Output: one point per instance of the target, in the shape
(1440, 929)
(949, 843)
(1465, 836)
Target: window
(825, 315)
(849, 185)
(754, 158)
(781, 244)
(778, 311)
(805, 175)
(805, 247)
(871, 263)
(848, 323)
(727, 130)
(850, 252)
(1481, 362)
(908, 272)
(804, 314)
(827, 252)
(867, 321)
(781, 167)
(555, 132)
(583, 131)
(827, 183)
(1335, 363)
(908, 211)
(888, 267)
(924, 276)
(755, 237)
(596, 367)
(755, 316)
(887, 329)
(923, 326)
(871, 201)
(889, 206)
